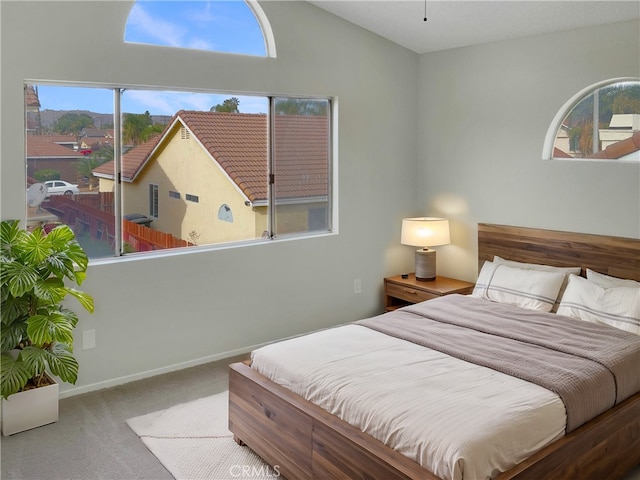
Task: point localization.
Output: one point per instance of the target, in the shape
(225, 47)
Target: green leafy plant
(37, 330)
(44, 175)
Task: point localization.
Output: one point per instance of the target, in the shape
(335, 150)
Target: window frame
(119, 253)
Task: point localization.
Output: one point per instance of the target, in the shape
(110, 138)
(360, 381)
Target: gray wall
(469, 149)
(161, 313)
(484, 113)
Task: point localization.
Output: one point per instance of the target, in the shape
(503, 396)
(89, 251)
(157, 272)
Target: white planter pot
(30, 409)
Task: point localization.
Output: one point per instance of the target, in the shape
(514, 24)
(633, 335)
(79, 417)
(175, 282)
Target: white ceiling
(458, 23)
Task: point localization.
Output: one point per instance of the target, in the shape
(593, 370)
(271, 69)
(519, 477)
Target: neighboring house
(627, 149)
(43, 153)
(621, 127)
(95, 138)
(33, 109)
(205, 178)
(562, 143)
(68, 141)
(620, 141)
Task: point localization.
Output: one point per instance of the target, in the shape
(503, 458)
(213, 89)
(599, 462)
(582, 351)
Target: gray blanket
(591, 367)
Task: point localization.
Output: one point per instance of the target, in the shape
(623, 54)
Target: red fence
(93, 214)
(143, 238)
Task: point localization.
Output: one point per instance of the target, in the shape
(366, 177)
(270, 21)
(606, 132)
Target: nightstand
(399, 292)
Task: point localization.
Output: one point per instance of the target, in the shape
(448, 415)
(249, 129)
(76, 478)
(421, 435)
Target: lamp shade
(425, 232)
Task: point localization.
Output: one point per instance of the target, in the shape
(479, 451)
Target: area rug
(193, 442)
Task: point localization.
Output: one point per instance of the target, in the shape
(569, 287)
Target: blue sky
(226, 26)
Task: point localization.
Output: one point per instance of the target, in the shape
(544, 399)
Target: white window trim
(265, 26)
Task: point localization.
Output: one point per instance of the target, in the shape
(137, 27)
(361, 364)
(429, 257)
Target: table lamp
(425, 232)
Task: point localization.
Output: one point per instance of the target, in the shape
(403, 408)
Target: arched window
(239, 27)
(601, 122)
(225, 214)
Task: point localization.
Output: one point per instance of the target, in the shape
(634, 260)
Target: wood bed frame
(306, 442)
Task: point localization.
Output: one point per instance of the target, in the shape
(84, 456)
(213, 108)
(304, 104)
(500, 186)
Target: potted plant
(37, 330)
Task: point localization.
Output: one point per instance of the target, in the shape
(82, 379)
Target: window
(301, 145)
(264, 164)
(225, 214)
(601, 123)
(153, 200)
(221, 26)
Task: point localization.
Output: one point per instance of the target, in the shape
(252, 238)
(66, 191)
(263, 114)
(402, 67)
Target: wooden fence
(93, 214)
(103, 201)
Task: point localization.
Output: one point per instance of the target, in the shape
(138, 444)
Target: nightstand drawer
(411, 295)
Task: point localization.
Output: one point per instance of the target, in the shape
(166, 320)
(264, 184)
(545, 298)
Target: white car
(60, 187)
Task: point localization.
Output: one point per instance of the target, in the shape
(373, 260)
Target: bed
(306, 441)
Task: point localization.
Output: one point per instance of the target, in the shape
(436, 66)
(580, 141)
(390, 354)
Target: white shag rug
(193, 442)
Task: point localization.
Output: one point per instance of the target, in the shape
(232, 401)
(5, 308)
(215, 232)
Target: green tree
(152, 130)
(294, 106)
(626, 104)
(619, 98)
(46, 174)
(72, 123)
(230, 105)
(134, 126)
(89, 163)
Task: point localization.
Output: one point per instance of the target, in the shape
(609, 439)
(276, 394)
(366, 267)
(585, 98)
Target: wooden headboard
(615, 256)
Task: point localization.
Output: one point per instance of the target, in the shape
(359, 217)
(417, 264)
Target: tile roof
(57, 138)
(42, 146)
(301, 153)
(238, 142)
(557, 153)
(132, 161)
(619, 149)
(31, 98)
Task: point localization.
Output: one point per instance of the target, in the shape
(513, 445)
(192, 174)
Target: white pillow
(536, 266)
(607, 281)
(533, 289)
(615, 306)
(544, 268)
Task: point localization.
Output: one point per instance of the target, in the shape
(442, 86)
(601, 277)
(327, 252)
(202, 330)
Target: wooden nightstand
(399, 292)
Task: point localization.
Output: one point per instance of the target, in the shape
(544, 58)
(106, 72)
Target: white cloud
(162, 30)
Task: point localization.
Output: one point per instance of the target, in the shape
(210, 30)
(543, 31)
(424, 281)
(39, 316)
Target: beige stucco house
(205, 178)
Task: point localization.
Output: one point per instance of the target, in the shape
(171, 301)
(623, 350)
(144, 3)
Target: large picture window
(161, 163)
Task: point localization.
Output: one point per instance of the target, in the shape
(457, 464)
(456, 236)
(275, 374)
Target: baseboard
(73, 391)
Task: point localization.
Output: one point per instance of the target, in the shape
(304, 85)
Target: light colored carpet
(193, 442)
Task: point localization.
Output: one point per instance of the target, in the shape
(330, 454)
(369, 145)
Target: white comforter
(458, 420)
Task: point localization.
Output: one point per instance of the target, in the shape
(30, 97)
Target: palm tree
(134, 126)
(89, 163)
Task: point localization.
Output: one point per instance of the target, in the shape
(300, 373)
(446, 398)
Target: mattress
(459, 420)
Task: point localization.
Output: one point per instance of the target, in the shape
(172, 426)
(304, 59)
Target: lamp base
(425, 264)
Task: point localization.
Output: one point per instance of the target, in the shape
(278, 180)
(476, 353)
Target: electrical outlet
(88, 339)
(357, 286)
